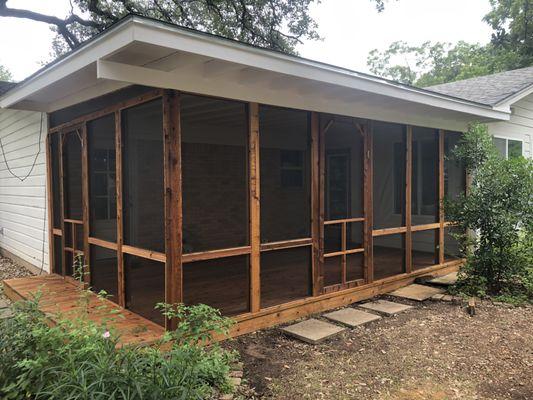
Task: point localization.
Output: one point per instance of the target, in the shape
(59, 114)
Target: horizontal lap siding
(520, 126)
(23, 216)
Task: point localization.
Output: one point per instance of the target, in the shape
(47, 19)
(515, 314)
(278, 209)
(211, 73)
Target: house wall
(23, 216)
(519, 127)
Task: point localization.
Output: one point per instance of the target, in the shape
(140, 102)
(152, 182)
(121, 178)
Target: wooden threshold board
(61, 297)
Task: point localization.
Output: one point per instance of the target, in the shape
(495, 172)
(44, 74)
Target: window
(508, 148)
(292, 169)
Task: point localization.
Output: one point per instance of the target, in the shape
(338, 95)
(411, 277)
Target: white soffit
(147, 52)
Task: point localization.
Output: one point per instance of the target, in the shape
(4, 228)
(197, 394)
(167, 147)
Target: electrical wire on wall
(23, 178)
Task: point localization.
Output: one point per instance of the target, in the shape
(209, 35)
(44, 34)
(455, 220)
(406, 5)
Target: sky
(350, 30)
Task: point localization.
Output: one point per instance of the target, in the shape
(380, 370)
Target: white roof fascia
(101, 46)
(137, 29)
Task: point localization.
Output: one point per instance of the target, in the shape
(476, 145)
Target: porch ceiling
(140, 51)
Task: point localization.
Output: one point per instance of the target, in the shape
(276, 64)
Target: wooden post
(173, 201)
(321, 203)
(85, 204)
(368, 204)
(315, 202)
(441, 197)
(408, 189)
(50, 201)
(254, 195)
(120, 240)
(62, 203)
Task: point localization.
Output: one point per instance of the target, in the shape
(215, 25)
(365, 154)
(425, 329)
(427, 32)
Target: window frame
(507, 139)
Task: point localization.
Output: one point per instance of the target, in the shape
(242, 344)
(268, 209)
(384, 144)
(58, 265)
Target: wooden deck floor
(63, 297)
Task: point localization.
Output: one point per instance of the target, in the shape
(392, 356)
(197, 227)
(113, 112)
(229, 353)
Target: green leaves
(499, 210)
(75, 359)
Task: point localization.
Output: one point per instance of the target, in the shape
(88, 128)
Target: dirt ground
(435, 351)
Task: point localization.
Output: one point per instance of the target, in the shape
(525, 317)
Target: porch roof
(140, 50)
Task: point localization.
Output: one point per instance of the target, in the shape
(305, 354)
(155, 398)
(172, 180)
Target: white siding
(23, 216)
(519, 127)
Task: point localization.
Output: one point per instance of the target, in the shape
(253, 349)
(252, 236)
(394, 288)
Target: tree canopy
(510, 47)
(5, 74)
(275, 24)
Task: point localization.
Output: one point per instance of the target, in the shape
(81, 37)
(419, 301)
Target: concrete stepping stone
(416, 292)
(3, 304)
(351, 317)
(445, 280)
(385, 307)
(312, 330)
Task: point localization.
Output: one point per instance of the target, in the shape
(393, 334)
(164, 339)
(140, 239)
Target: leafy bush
(498, 209)
(79, 359)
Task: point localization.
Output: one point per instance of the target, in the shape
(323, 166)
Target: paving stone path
(5, 309)
(315, 331)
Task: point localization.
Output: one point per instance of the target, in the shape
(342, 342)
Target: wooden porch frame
(173, 257)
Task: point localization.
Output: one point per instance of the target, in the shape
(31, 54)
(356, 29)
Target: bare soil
(435, 351)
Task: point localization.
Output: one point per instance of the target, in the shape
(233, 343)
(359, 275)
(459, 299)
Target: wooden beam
(368, 205)
(286, 244)
(102, 243)
(85, 205)
(144, 253)
(342, 221)
(62, 202)
(173, 201)
(408, 191)
(50, 201)
(121, 285)
(319, 284)
(143, 98)
(389, 231)
(254, 196)
(315, 201)
(441, 197)
(212, 254)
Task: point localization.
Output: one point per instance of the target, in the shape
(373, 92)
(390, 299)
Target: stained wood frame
(359, 129)
(173, 258)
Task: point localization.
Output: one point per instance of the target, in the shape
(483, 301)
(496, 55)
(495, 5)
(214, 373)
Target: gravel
(9, 270)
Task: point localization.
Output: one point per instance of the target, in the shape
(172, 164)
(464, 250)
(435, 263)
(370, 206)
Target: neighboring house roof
(489, 89)
(5, 86)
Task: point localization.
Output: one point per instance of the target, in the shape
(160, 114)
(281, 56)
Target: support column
(173, 201)
(254, 196)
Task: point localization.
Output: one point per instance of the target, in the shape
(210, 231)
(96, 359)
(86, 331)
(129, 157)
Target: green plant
(80, 359)
(498, 210)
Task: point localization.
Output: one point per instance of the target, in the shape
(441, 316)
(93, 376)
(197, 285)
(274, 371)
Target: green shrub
(498, 209)
(78, 359)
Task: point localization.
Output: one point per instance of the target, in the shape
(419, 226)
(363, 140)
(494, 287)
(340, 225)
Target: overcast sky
(350, 28)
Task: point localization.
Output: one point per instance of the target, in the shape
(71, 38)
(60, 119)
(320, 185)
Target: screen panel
(104, 271)
(389, 255)
(214, 174)
(56, 182)
(285, 174)
(145, 286)
(389, 158)
(452, 245)
(425, 248)
(285, 275)
(425, 176)
(355, 266)
(332, 270)
(454, 170)
(72, 176)
(102, 178)
(143, 185)
(343, 169)
(223, 283)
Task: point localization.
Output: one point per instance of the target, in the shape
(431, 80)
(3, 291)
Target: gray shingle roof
(488, 89)
(5, 86)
